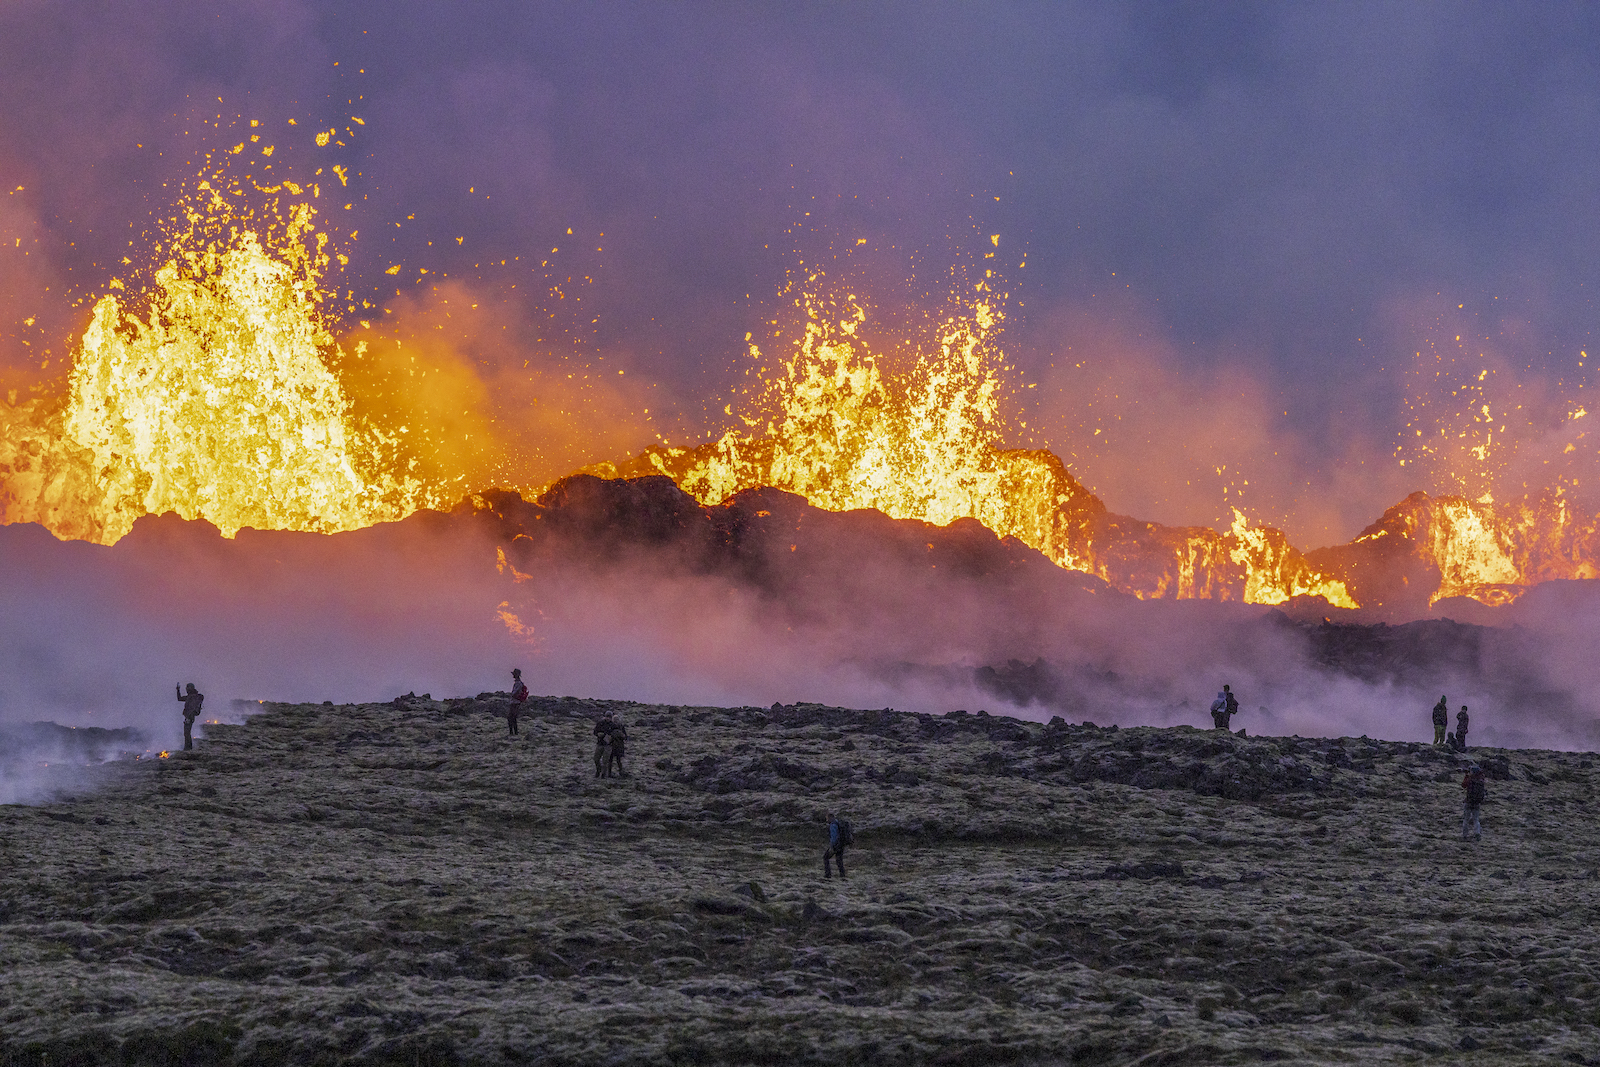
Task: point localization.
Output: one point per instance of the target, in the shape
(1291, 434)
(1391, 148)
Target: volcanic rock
(396, 884)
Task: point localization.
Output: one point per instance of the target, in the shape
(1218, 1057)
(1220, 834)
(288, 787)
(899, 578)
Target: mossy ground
(404, 883)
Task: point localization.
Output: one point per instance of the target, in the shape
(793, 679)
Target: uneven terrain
(404, 883)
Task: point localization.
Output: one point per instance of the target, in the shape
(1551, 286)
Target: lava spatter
(212, 392)
(839, 429)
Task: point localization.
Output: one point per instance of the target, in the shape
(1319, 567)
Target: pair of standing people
(1441, 722)
(609, 739)
(1224, 708)
(609, 735)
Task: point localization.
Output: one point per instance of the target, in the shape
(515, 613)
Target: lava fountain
(212, 393)
(216, 388)
(836, 425)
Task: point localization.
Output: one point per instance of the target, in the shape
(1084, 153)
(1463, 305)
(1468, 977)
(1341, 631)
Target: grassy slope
(407, 884)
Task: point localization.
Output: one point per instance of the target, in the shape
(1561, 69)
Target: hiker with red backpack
(1476, 787)
(519, 693)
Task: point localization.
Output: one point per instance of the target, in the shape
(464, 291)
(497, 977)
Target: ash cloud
(488, 397)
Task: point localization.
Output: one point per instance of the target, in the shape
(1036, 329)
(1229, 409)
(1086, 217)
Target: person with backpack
(840, 837)
(619, 738)
(602, 744)
(1476, 787)
(191, 711)
(1461, 728)
(1224, 708)
(1441, 720)
(519, 693)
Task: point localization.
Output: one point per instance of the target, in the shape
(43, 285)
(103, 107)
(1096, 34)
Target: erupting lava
(845, 433)
(216, 393)
(212, 395)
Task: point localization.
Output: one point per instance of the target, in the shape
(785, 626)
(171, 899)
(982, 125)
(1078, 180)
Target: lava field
(404, 883)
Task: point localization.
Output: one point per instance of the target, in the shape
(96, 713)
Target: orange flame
(212, 394)
(926, 444)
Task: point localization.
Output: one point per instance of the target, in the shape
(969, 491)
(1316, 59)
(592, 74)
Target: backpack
(519, 692)
(1233, 703)
(846, 836)
(1477, 790)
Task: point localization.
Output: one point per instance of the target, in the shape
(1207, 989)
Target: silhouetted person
(1441, 720)
(1224, 708)
(191, 711)
(1476, 787)
(1461, 728)
(840, 838)
(602, 745)
(619, 739)
(519, 693)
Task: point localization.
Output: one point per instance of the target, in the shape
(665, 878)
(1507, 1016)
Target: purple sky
(1268, 208)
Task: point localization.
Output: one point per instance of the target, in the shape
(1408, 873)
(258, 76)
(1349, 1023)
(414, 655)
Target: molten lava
(844, 432)
(215, 391)
(212, 394)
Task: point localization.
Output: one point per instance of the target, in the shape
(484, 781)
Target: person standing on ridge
(191, 711)
(1476, 787)
(1224, 708)
(519, 693)
(1461, 728)
(619, 739)
(1441, 720)
(602, 745)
